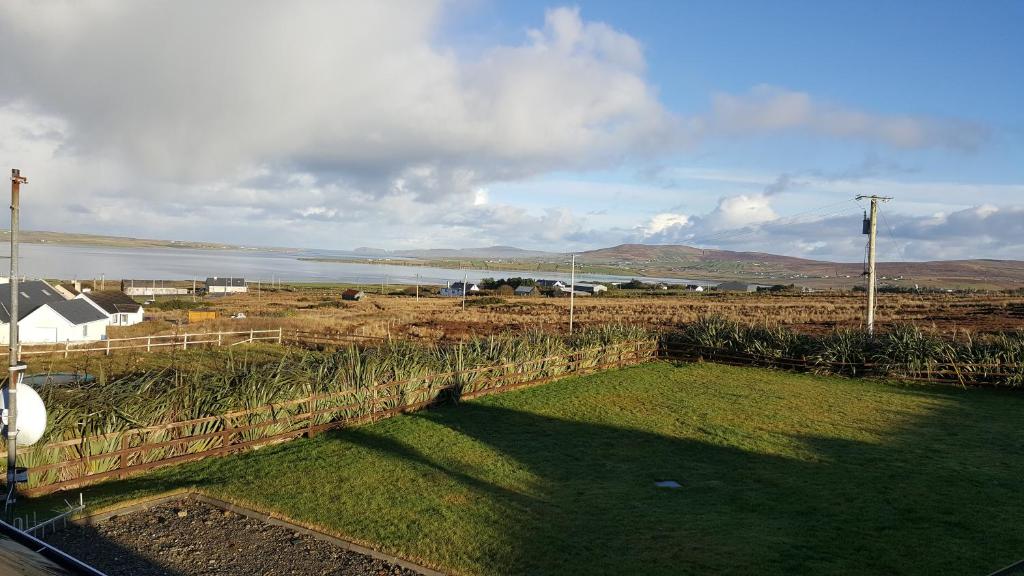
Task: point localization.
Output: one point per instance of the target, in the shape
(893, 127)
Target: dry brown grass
(435, 318)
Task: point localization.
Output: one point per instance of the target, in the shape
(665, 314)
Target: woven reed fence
(935, 372)
(82, 461)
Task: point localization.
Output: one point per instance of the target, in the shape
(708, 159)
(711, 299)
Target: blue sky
(740, 125)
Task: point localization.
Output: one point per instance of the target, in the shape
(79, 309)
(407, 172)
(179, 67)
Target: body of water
(88, 262)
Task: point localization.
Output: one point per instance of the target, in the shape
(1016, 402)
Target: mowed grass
(780, 474)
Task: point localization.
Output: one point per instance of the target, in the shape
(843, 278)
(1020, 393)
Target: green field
(780, 474)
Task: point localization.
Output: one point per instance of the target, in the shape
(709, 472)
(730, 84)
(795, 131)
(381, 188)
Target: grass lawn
(781, 474)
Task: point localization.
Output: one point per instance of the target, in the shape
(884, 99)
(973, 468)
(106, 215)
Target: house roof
(458, 286)
(77, 311)
(113, 301)
(351, 292)
(33, 294)
(525, 289)
(234, 282)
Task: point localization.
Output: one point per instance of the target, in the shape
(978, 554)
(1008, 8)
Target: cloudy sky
(739, 125)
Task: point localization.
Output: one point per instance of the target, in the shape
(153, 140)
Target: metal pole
(572, 291)
(465, 279)
(417, 287)
(15, 367)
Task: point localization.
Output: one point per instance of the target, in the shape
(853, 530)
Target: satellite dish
(31, 415)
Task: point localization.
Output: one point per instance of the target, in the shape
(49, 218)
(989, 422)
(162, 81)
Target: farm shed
(352, 294)
(121, 309)
(527, 291)
(218, 285)
(151, 288)
(590, 287)
(46, 316)
(551, 284)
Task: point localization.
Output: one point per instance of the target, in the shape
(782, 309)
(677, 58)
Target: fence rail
(81, 461)
(151, 343)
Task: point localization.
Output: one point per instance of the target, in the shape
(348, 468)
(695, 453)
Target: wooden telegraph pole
(871, 228)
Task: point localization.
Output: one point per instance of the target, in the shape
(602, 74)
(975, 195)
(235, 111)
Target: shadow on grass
(920, 502)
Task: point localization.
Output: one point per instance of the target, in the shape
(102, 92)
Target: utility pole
(871, 228)
(465, 279)
(417, 287)
(16, 368)
(572, 291)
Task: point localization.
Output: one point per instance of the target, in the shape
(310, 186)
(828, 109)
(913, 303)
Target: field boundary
(85, 461)
(950, 373)
(150, 343)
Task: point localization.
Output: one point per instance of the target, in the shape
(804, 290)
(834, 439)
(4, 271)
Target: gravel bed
(192, 537)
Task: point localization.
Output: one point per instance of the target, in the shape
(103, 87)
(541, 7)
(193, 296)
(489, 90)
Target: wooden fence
(153, 343)
(80, 461)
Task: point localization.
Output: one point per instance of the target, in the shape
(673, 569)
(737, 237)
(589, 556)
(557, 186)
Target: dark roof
(215, 281)
(351, 292)
(33, 294)
(113, 301)
(77, 311)
(525, 289)
(458, 285)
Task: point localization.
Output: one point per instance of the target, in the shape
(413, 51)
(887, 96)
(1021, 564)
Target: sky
(560, 127)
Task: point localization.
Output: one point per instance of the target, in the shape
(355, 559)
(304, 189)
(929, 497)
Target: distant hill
(669, 260)
(486, 252)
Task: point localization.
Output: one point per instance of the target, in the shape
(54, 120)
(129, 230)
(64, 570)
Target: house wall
(44, 325)
(126, 319)
(226, 289)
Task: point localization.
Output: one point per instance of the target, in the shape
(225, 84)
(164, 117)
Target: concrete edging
(148, 503)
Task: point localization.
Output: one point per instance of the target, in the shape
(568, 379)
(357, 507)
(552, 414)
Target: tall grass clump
(266, 391)
(903, 351)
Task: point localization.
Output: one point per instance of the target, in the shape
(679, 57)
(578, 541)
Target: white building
(215, 285)
(120, 309)
(46, 317)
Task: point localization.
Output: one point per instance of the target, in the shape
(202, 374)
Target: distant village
(73, 312)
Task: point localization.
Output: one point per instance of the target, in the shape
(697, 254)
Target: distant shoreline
(97, 240)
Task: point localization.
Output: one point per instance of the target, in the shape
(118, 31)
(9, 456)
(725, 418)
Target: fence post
(67, 344)
(108, 346)
(122, 462)
(184, 343)
(220, 335)
(280, 334)
(250, 335)
(149, 343)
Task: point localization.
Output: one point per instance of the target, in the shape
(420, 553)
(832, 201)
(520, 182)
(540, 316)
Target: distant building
(151, 288)
(551, 284)
(217, 285)
(736, 287)
(458, 289)
(694, 287)
(121, 309)
(45, 316)
(525, 290)
(590, 287)
(352, 294)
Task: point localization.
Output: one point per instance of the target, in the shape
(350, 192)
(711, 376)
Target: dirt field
(435, 318)
(189, 537)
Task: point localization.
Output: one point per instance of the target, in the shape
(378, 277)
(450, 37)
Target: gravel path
(191, 537)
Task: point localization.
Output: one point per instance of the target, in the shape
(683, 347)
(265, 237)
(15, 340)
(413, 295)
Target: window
(85, 330)
(45, 291)
(124, 319)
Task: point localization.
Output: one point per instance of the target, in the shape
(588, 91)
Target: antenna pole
(572, 291)
(15, 367)
(872, 230)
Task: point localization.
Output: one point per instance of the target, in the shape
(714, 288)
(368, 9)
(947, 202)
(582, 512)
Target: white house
(457, 290)
(215, 285)
(45, 316)
(120, 309)
(551, 284)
